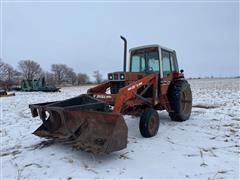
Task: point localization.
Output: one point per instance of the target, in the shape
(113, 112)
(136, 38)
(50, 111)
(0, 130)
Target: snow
(205, 146)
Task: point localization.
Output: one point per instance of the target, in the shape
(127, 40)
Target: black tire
(180, 97)
(149, 123)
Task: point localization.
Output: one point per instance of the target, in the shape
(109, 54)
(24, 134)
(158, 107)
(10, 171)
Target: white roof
(152, 45)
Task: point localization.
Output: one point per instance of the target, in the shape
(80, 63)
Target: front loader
(94, 122)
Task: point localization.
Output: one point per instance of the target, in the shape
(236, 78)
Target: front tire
(180, 97)
(149, 123)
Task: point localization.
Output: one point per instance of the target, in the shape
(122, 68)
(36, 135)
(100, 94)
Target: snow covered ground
(206, 146)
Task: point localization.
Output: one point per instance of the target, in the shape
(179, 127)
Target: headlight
(122, 77)
(110, 77)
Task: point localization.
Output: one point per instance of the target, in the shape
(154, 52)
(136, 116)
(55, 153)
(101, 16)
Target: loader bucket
(83, 122)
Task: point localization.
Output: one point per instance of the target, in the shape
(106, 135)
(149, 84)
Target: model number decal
(134, 86)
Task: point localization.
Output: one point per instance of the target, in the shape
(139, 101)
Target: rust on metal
(83, 122)
(94, 121)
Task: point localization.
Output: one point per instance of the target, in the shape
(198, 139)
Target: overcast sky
(85, 36)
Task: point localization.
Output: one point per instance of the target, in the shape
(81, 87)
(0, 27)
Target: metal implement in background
(4, 93)
(37, 85)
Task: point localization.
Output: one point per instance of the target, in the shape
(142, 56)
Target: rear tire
(180, 97)
(149, 123)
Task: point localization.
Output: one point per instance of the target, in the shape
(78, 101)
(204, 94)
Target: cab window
(166, 65)
(153, 61)
(173, 62)
(138, 63)
(145, 60)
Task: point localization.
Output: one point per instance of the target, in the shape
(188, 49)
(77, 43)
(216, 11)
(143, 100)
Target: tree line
(60, 74)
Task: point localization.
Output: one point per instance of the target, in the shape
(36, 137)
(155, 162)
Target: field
(206, 146)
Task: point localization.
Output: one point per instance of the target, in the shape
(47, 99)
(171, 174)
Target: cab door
(168, 66)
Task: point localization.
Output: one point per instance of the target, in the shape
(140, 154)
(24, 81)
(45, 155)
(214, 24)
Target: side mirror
(181, 71)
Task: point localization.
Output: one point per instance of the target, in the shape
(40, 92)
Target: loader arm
(101, 88)
(130, 91)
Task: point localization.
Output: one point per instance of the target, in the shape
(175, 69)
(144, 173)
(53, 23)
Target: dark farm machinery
(94, 122)
(37, 85)
(4, 93)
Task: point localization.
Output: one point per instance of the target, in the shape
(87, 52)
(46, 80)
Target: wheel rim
(186, 102)
(153, 124)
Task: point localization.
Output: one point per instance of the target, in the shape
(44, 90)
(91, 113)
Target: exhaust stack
(125, 53)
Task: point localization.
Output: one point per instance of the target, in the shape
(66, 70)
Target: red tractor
(94, 121)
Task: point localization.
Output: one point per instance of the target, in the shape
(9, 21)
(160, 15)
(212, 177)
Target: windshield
(145, 60)
(138, 63)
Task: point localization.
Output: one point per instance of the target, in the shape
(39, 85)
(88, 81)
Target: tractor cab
(153, 59)
(145, 60)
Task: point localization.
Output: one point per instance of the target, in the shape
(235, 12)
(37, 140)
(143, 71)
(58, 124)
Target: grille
(115, 86)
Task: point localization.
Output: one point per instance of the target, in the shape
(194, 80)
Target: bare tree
(63, 73)
(17, 77)
(30, 69)
(7, 72)
(59, 72)
(82, 78)
(71, 75)
(2, 70)
(49, 78)
(1, 63)
(97, 76)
